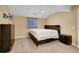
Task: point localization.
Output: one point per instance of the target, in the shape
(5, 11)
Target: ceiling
(38, 11)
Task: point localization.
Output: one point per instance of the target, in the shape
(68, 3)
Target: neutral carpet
(26, 45)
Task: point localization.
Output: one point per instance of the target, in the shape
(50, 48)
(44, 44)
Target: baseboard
(18, 37)
(74, 44)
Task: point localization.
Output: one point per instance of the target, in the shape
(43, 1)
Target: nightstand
(66, 39)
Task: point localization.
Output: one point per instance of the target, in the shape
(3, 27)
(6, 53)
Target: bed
(42, 36)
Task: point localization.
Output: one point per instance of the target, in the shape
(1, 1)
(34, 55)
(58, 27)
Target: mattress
(42, 34)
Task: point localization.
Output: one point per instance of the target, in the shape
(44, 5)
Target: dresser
(7, 37)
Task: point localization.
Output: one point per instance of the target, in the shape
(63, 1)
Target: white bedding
(42, 34)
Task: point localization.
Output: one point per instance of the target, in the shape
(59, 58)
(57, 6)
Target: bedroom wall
(20, 26)
(41, 23)
(63, 19)
(66, 21)
(74, 15)
(21, 29)
(4, 9)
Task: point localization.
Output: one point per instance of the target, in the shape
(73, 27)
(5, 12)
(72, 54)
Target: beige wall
(20, 26)
(67, 21)
(74, 18)
(41, 23)
(4, 9)
(21, 29)
(64, 19)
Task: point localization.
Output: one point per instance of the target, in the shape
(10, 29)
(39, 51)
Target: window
(31, 23)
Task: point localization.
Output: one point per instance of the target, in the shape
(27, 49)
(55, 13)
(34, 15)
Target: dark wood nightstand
(66, 39)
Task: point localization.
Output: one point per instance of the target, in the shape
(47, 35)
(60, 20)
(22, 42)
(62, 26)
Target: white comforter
(42, 34)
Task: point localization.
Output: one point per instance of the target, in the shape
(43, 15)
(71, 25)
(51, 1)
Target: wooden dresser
(7, 37)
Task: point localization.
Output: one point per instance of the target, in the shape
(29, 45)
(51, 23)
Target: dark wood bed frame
(56, 27)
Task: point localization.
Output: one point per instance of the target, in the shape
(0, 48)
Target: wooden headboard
(56, 27)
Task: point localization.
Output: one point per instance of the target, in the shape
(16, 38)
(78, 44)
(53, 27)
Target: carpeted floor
(26, 45)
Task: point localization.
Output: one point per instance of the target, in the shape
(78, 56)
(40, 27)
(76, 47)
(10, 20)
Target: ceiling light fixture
(42, 11)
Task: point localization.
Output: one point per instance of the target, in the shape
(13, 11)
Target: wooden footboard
(42, 41)
(34, 39)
